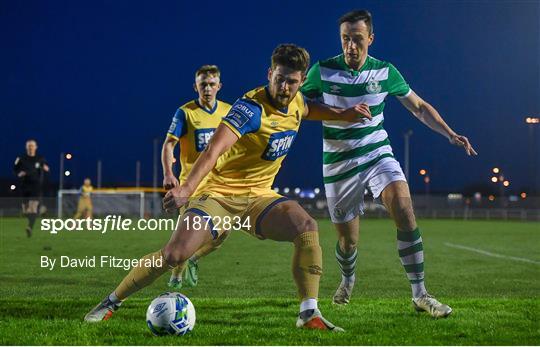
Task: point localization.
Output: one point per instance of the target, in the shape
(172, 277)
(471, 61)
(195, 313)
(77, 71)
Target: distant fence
(443, 207)
(434, 207)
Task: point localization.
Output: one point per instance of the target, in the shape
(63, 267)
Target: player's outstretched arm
(221, 141)
(317, 111)
(428, 115)
(167, 154)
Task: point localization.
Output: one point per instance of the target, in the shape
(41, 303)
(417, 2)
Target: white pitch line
(492, 254)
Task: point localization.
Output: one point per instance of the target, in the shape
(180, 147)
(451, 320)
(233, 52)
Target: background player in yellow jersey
(84, 207)
(241, 162)
(192, 126)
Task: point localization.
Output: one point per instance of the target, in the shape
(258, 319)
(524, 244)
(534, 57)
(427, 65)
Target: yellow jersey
(265, 134)
(193, 126)
(86, 191)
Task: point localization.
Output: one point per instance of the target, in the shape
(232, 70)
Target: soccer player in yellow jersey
(84, 207)
(192, 126)
(241, 162)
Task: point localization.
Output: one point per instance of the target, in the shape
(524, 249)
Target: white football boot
(103, 311)
(432, 306)
(343, 293)
(316, 321)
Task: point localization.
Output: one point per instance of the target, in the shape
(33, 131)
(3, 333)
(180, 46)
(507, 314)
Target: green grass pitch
(246, 293)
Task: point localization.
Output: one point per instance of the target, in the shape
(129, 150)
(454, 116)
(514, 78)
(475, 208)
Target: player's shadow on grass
(35, 282)
(43, 308)
(244, 321)
(237, 304)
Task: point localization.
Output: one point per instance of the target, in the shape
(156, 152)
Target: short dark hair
(208, 70)
(291, 56)
(357, 15)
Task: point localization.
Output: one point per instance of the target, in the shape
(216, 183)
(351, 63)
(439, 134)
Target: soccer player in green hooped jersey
(358, 156)
(192, 126)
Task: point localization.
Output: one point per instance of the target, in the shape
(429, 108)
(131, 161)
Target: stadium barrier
(148, 204)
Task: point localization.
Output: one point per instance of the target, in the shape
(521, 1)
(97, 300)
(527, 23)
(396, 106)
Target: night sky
(102, 79)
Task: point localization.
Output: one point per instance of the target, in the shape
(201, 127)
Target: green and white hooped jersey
(350, 148)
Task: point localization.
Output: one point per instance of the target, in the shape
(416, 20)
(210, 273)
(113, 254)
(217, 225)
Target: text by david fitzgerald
(98, 261)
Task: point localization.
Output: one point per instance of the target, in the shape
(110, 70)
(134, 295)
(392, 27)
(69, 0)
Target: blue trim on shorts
(265, 211)
(204, 214)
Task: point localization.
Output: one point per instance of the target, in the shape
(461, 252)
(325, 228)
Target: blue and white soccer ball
(170, 314)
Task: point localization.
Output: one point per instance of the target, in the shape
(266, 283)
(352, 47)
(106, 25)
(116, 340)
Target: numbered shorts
(346, 197)
(222, 213)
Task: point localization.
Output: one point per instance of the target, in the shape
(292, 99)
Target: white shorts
(346, 197)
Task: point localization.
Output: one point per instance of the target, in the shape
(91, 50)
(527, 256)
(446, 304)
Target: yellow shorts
(221, 213)
(85, 204)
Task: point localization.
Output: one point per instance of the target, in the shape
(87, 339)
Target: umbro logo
(159, 309)
(335, 89)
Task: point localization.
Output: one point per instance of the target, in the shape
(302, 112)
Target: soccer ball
(170, 314)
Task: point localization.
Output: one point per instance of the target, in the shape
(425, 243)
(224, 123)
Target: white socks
(308, 304)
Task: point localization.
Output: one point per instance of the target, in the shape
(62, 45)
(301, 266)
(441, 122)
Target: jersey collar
(352, 71)
(207, 110)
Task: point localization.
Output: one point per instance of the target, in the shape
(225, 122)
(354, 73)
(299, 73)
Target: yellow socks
(177, 271)
(150, 267)
(307, 264)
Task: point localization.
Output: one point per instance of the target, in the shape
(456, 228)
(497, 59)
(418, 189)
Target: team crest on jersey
(335, 89)
(279, 145)
(373, 86)
(274, 124)
(202, 137)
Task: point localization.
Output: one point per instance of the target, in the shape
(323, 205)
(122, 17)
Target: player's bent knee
(174, 256)
(348, 244)
(405, 218)
(168, 256)
(307, 225)
(300, 221)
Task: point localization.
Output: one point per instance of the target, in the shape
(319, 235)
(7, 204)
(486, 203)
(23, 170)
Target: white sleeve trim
(406, 95)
